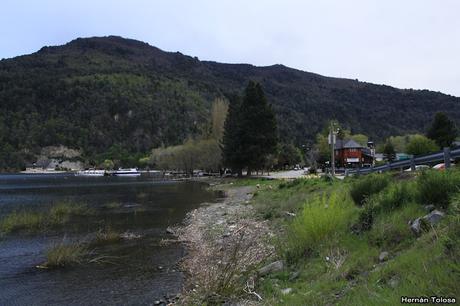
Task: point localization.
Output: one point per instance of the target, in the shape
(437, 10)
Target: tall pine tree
(231, 144)
(442, 130)
(250, 131)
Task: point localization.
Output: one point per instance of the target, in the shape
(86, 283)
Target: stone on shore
(276, 266)
(431, 219)
(383, 256)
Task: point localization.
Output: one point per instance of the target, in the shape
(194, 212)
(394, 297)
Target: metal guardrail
(444, 156)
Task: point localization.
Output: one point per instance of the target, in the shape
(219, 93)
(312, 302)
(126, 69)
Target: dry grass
(223, 256)
(107, 235)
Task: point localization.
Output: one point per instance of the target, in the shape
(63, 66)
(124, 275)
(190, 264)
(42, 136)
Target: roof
(347, 144)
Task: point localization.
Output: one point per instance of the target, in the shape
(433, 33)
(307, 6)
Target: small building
(350, 154)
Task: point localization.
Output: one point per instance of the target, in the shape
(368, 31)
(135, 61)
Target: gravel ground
(225, 244)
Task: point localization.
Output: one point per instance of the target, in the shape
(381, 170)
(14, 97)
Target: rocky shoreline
(225, 244)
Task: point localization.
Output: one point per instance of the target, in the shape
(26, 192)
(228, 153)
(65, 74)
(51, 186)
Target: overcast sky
(403, 43)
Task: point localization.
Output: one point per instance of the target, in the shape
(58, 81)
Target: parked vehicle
(418, 168)
(442, 166)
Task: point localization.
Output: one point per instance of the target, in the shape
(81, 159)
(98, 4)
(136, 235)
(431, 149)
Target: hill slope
(124, 95)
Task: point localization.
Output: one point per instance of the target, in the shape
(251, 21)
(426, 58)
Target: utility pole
(332, 138)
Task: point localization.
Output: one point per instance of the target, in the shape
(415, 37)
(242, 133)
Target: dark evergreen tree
(231, 141)
(442, 130)
(250, 134)
(389, 151)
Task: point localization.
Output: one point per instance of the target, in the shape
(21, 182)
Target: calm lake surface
(140, 270)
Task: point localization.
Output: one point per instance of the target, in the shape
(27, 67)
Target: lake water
(140, 271)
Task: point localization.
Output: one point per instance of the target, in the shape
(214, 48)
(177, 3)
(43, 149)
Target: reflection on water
(125, 204)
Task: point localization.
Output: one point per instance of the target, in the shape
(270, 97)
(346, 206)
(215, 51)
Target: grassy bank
(35, 221)
(349, 242)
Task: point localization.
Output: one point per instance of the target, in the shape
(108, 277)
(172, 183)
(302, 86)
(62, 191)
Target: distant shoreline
(41, 171)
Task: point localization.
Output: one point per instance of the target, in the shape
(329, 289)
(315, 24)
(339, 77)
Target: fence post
(346, 172)
(447, 157)
(358, 172)
(412, 163)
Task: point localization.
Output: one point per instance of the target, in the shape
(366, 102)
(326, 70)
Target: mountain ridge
(100, 92)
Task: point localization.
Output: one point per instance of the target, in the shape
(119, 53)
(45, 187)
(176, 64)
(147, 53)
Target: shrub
(437, 187)
(292, 183)
(320, 219)
(365, 218)
(390, 229)
(395, 195)
(366, 186)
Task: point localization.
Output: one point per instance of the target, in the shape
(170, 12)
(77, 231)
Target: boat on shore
(126, 172)
(91, 172)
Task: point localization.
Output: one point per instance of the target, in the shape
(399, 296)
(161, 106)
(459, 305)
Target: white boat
(91, 172)
(126, 172)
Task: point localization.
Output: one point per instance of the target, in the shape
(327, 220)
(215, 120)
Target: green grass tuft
(321, 220)
(63, 255)
(366, 186)
(437, 187)
(106, 236)
(33, 221)
(22, 220)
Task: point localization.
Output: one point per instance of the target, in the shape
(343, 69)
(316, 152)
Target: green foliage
(389, 151)
(96, 92)
(63, 255)
(108, 164)
(365, 218)
(321, 220)
(250, 131)
(419, 145)
(22, 220)
(203, 153)
(390, 229)
(365, 186)
(335, 266)
(33, 221)
(442, 130)
(395, 196)
(289, 155)
(437, 187)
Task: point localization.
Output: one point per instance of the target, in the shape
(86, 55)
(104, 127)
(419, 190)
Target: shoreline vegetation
(31, 221)
(360, 241)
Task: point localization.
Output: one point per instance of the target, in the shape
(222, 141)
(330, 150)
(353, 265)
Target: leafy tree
(420, 145)
(442, 130)
(289, 155)
(322, 149)
(360, 138)
(389, 151)
(219, 111)
(203, 153)
(108, 164)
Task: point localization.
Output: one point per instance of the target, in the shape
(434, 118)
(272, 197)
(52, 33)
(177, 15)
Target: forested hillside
(111, 94)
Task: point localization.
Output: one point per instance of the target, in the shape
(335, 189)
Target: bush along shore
(367, 240)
